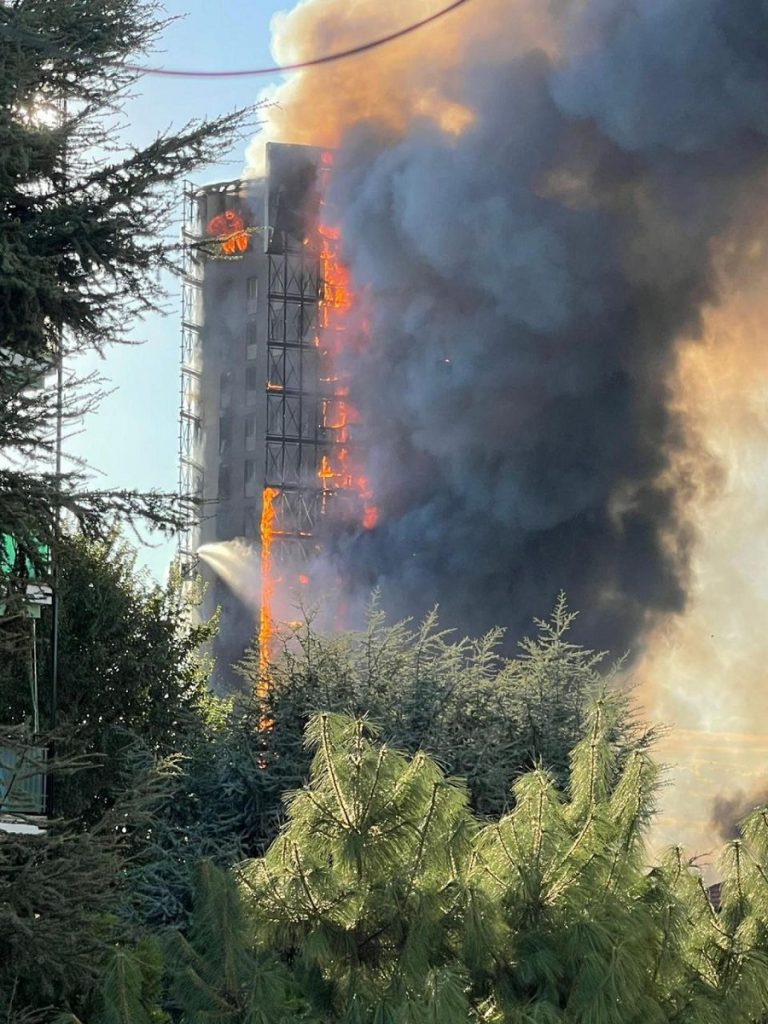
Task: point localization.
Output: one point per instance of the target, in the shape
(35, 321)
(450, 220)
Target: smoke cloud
(728, 812)
(531, 232)
(705, 671)
(545, 210)
(553, 216)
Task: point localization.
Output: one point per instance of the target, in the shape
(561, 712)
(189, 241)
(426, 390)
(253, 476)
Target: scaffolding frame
(191, 471)
(196, 249)
(295, 438)
(300, 403)
(304, 396)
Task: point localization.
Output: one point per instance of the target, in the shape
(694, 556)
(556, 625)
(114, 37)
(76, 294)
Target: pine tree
(130, 988)
(363, 890)
(228, 805)
(218, 976)
(389, 901)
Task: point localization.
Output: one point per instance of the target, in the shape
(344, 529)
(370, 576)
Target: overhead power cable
(352, 51)
(273, 69)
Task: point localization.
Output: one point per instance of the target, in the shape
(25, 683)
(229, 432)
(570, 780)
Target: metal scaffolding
(303, 410)
(308, 442)
(295, 437)
(191, 472)
(197, 248)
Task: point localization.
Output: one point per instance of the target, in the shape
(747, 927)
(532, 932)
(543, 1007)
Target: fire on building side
(270, 444)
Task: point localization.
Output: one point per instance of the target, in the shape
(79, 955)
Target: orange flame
(266, 622)
(340, 471)
(370, 517)
(229, 228)
(325, 472)
(340, 468)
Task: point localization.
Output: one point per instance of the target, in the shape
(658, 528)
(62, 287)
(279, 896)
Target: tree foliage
(216, 973)
(129, 670)
(386, 899)
(132, 694)
(130, 988)
(214, 812)
(84, 226)
(481, 715)
(62, 898)
(83, 236)
(391, 901)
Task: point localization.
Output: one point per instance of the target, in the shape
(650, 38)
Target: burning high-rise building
(267, 431)
(553, 214)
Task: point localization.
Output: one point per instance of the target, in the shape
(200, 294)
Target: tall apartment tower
(257, 420)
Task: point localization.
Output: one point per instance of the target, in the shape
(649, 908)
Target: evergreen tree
(82, 237)
(215, 812)
(493, 718)
(129, 991)
(84, 226)
(129, 671)
(389, 901)
(363, 892)
(482, 716)
(62, 894)
(218, 976)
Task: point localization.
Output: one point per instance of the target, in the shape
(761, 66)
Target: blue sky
(132, 440)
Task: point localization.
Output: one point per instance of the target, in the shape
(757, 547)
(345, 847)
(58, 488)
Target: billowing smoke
(528, 267)
(728, 812)
(541, 206)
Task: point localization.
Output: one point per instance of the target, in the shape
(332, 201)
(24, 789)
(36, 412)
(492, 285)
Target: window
(252, 292)
(251, 383)
(252, 522)
(225, 435)
(22, 780)
(251, 480)
(250, 433)
(251, 339)
(225, 390)
(224, 479)
(223, 521)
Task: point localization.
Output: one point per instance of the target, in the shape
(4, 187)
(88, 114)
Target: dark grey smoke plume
(527, 284)
(728, 812)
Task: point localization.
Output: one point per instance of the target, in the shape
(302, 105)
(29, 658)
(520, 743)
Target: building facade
(261, 433)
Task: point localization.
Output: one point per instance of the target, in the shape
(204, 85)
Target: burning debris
(268, 581)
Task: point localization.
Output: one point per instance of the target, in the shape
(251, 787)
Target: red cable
(277, 68)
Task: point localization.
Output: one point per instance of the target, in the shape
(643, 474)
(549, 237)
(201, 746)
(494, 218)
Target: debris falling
(268, 583)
